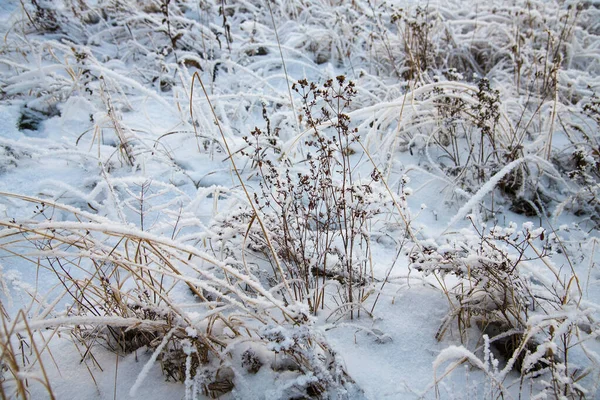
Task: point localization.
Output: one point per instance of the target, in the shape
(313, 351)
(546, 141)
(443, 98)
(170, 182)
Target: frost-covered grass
(299, 199)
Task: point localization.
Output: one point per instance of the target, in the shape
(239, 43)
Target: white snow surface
(97, 140)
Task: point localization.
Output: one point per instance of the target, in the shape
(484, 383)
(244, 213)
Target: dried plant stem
(243, 185)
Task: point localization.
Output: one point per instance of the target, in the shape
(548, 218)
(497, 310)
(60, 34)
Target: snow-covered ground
(299, 199)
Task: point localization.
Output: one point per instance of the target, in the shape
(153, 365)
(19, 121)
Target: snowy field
(298, 199)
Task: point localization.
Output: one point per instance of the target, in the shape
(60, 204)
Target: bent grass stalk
(266, 234)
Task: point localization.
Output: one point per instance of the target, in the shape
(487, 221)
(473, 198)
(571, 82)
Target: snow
(131, 206)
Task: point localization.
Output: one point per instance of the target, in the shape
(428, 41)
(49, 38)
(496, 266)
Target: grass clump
(119, 283)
